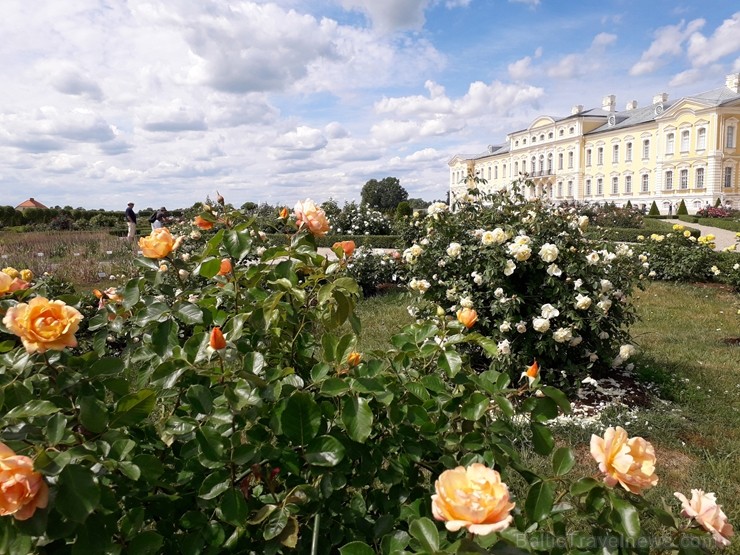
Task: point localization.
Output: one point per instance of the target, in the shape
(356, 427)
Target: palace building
(672, 150)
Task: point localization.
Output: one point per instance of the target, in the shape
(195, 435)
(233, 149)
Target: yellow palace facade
(668, 151)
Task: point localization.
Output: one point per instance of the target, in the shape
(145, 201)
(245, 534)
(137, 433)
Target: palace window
(628, 184)
(701, 139)
(600, 156)
(615, 185)
(685, 140)
(699, 178)
(684, 179)
(615, 154)
(645, 187)
(670, 143)
(588, 187)
(560, 188)
(728, 177)
(516, 168)
(730, 139)
(668, 180)
(560, 161)
(646, 149)
(495, 172)
(628, 153)
(549, 163)
(570, 188)
(588, 157)
(599, 186)
(570, 160)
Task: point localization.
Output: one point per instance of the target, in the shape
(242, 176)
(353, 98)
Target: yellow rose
(12, 272)
(22, 490)
(26, 275)
(308, 215)
(158, 244)
(472, 498)
(44, 325)
(354, 358)
(627, 461)
(467, 317)
(704, 509)
(687, 233)
(5, 281)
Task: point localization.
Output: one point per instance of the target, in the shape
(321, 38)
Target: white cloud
(451, 4)
(70, 80)
(724, 41)
(521, 69)
(582, 63)
(685, 77)
(668, 42)
(302, 138)
(174, 118)
(391, 15)
(529, 2)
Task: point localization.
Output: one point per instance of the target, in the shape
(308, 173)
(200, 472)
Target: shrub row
(370, 241)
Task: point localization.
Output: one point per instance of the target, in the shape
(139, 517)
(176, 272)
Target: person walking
(131, 221)
(160, 218)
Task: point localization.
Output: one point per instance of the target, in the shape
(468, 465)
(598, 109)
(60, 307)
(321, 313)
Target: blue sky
(163, 102)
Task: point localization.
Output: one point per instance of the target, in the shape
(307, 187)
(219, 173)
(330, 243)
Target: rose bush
(274, 434)
(537, 283)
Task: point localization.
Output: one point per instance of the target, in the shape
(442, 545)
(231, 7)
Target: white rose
(583, 223)
(577, 283)
(184, 274)
(592, 258)
(554, 270)
(626, 351)
(582, 302)
(576, 341)
(466, 302)
(454, 249)
(505, 326)
(604, 335)
(562, 335)
(509, 268)
(498, 293)
(521, 327)
(605, 305)
(549, 252)
(548, 311)
(606, 286)
(541, 324)
(504, 348)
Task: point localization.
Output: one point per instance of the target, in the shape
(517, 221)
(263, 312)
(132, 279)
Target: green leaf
(210, 442)
(301, 418)
(131, 293)
(214, 485)
(189, 313)
(130, 470)
(134, 408)
(628, 516)
(106, 367)
(542, 438)
(262, 514)
(234, 507)
(557, 396)
(237, 244)
(475, 407)
(563, 461)
(450, 362)
(584, 485)
(200, 399)
(324, 451)
(332, 387)
(78, 494)
(31, 409)
(55, 428)
(275, 524)
(425, 532)
(356, 548)
(152, 312)
(540, 499)
(93, 414)
(145, 543)
(329, 347)
(357, 418)
(209, 267)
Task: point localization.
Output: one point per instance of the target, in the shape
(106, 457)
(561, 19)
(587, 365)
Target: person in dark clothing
(131, 221)
(160, 218)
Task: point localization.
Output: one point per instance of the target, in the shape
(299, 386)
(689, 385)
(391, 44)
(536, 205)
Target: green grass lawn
(689, 341)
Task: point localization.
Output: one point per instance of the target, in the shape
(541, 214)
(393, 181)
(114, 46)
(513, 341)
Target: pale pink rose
(472, 498)
(310, 216)
(704, 509)
(627, 461)
(22, 490)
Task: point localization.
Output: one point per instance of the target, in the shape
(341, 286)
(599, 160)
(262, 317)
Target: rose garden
(218, 400)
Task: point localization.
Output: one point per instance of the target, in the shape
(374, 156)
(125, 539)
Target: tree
(682, 210)
(331, 208)
(383, 195)
(404, 209)
(654, 210)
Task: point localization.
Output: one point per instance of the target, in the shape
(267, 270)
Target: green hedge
(723, 223)
(689, 218)
(371, 241)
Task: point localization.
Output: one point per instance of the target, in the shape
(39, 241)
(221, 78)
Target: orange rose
(532, 372)
(467, 317)
(202, 223)
(22, 490)
(627, 461)
(44, 325)
(472, 498)
(353, 359)
(308, 215)
(284, 213)
(158, 244)
(217, 340)
(225, 267)
(347, 246)
(704, 509)
(5, 282)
